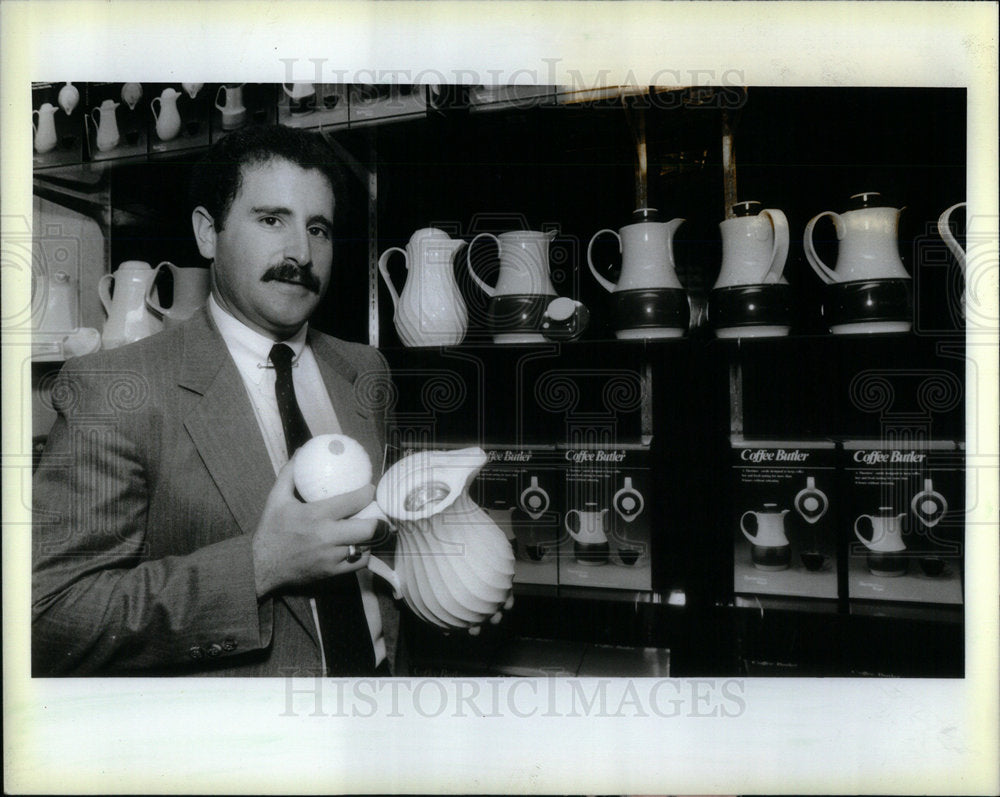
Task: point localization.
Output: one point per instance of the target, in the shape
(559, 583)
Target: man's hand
(297, 543)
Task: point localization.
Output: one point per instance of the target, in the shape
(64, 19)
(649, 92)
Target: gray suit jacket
(153, 479)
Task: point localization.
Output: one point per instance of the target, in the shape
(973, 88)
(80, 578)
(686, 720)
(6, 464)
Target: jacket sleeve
(100, 605)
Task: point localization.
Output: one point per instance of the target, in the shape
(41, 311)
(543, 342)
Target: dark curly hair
(218, 176)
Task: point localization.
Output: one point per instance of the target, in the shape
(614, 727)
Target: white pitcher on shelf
(168, 118)
(107, 125)
(45, 130)
(430, 310)
(128, 317)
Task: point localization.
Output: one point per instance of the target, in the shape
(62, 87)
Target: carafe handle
(608, 285)
(217, 93)
(97, 123)
(376, 565)
(152, 107)
(151, 293)
(779, 252)
(944, 230)
(104, 291)
(382, 263)
(39, 114)
(821, 269)
(468, 261)
(743, 526)
(857, 531)
(383, 571)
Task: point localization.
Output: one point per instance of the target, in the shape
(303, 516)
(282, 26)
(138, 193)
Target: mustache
(289, 272)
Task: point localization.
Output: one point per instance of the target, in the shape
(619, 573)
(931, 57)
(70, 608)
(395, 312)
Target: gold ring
(353, 554)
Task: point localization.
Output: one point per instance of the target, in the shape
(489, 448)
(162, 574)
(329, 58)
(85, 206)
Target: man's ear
(204, 232)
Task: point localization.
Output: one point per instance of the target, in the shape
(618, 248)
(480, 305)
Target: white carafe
(524, 307)
(301, 97)
(754, 246)
(191, 287)
(588, 529)
(69, 98)
(647, 250)
(868, 248)
(106, 122)
(430, 310)
(648, 301)
(45, 129)
(454, 566)
(884, 541)
(770, 549)
(524, 263)
(128, 317)
(234, 113)
(168, 118)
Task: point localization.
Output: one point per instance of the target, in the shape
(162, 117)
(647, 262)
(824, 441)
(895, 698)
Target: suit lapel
(224, 429)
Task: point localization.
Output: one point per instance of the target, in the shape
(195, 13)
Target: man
(167, 536)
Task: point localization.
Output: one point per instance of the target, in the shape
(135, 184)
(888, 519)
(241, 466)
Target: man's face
(274, 254)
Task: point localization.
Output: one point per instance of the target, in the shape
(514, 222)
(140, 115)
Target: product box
(605, 509)
(784, 517)
(518, 488)
(901, 520)
(117, 118)
(57, 111)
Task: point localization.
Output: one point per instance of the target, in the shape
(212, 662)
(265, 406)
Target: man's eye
(320, 232)
(270, 221)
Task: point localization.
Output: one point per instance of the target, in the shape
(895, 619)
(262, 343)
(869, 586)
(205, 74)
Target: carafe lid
(747, 208)
(867, 199)
(645, 214)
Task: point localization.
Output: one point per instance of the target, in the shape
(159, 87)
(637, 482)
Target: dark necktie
(347, 642)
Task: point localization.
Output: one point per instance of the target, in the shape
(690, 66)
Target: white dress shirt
(250, 351)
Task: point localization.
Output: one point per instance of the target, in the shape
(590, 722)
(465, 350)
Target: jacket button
(229, 644)
(214, 649)
(195, 652)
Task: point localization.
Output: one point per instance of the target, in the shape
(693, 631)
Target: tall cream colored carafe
(107, 125)
(128, 317)
(454, 566)
(430, 310)
(45, 129)
(168, 118)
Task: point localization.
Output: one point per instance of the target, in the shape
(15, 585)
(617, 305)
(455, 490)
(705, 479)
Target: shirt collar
(249, 348)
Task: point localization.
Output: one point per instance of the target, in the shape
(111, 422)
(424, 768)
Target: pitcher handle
(857, 531)
(779, 252)
(821, 269)
(152, 107)
(39, 113)
(576, 514)
(104, 291)
(743, 527)
(382, 267)
(97, 124)
(468, 262)
(217, 93)
(608, 285)
(383, 571)
(151, 293)
(944, 230)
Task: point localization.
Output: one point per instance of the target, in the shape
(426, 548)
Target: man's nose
(297, 245)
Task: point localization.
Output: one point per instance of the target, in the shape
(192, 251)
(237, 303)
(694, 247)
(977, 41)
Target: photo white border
(795, 735)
